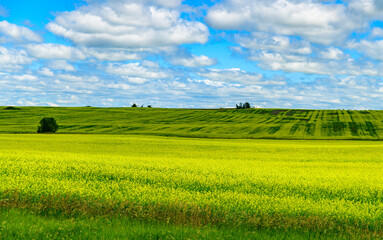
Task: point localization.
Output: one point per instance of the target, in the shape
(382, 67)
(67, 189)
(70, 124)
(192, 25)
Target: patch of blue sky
(377, 24)
(197, 3)
(37, 12)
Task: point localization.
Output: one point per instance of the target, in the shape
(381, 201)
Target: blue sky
(173, 53)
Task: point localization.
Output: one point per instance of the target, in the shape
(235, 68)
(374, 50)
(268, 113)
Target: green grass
(21, 224)
(323, 188)
(214, 123)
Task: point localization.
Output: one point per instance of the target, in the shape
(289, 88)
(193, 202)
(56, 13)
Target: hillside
(217, 123)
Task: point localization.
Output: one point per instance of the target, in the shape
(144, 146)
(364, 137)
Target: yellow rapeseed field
(314, 185)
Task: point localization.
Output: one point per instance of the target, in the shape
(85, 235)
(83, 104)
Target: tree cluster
(243, 106)
(135, 105)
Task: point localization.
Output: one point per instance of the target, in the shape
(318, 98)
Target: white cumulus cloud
(314, 21)
(128, 24)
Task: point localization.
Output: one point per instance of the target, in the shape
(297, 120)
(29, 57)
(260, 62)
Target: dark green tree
(243, 106)
(246, 105)
(134, 105)
(47, 125)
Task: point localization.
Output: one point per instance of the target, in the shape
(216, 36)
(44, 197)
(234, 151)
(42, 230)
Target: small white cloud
(193, 61)
(70, 78)
(136, 80)
(61, 65)
(46, 72)
(212, 83)
(72, 99)
(373, 49)
(230, 75)
(122, 86)
(12, 32)
(136, 72)
(25, 77)
(258, 41)
(377, 32)
(149, 64)
(332, 53)
(107, 102)
(26, 103)
(27, 88)
(52, 104)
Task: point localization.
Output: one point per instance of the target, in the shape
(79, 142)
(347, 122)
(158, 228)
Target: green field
(153, 186)
(213, 123)
(21, 224)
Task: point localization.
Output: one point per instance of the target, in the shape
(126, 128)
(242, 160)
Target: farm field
(212, 123)
(267, 188)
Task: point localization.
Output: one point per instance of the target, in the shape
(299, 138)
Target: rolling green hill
(217, 123)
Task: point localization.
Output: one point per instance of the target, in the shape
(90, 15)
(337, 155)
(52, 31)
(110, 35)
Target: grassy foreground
(321, 187)
(21, 224)
(216, 123)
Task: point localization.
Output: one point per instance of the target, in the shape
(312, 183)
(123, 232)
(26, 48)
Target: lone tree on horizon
(47, 125)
